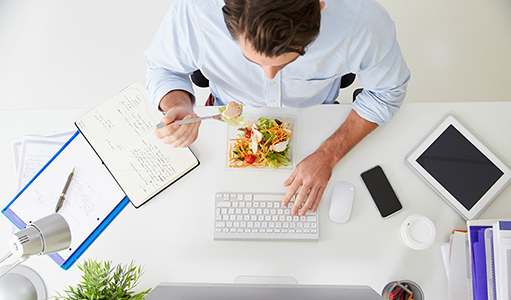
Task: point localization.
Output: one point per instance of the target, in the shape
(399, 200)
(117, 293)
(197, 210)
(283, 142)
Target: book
(121, 132)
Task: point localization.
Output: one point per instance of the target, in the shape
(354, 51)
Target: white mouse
(341, 202)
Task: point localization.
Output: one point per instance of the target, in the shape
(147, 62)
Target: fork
(187, 121)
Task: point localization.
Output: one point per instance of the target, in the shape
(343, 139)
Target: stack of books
(478, 261)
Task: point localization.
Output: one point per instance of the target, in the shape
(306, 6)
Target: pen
(63, 194)
(404, 287)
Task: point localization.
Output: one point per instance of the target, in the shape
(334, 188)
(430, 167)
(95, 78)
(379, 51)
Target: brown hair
(274, 27)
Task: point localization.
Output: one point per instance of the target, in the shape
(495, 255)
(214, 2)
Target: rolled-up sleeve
(174, 53)
(374, 55)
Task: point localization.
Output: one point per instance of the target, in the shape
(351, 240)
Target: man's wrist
(175, 98)
(330, 154)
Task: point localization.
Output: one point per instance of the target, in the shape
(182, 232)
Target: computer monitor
(235, 291)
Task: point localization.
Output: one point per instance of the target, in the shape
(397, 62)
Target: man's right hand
(178, 106)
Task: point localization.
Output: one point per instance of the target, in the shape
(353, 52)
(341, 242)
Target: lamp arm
(9, 254)
(14, 265)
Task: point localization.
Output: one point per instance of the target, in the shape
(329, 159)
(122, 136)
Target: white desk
(172, 235)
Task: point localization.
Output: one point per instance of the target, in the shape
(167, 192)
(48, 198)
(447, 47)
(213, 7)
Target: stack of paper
(478, 261)
(32, 152)
(457, 261)
(502, 261)
(490, 256)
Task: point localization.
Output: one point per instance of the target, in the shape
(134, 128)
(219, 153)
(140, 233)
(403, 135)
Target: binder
(23, 213)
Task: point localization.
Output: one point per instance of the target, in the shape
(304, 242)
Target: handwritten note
(122, 132)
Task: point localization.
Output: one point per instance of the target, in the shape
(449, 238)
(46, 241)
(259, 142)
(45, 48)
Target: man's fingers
(291, 178)
(315, 205)
(170, 116)
(290, 193)
(180, 135)
(300, 198)
(311, 198)
(189, 136)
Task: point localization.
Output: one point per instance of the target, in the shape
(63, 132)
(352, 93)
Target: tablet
(466, 173)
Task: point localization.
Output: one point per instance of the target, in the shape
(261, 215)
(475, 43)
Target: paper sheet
(32, 152)
(505, 267)
(459, 268)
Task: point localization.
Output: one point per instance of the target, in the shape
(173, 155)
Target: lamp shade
(47, 235)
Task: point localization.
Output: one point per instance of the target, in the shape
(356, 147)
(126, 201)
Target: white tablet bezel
(490, 194)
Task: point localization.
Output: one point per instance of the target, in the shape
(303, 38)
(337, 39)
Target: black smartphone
(381, 191)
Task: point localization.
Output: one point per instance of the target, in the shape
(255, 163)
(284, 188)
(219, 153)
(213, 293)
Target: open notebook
(121, 131)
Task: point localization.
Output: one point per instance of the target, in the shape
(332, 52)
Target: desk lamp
(44, 236)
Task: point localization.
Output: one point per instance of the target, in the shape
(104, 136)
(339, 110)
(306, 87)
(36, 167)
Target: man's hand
(178, 106)
(178, 135)
(311, 175)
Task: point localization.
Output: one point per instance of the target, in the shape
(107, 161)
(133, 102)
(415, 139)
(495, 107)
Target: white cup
(418, 232)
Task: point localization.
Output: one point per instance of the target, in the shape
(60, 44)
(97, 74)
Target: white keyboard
(260, 216)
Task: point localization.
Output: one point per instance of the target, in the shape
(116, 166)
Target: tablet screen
(459, 167)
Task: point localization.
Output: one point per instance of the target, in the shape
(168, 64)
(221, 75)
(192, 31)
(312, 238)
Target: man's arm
(313, 173)
(174, 53)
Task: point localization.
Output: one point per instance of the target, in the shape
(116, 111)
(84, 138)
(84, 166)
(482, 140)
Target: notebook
(121, 131)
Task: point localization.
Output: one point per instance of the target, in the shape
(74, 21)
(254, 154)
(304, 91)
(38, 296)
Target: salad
(264, 143)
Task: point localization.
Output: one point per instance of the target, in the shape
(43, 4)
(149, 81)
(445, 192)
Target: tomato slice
(248, 134)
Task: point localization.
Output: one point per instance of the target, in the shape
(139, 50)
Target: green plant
(102, 281)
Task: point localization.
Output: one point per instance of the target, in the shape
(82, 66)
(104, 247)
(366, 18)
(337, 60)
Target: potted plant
(103, 281)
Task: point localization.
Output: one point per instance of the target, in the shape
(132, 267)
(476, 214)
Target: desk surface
(178, 247)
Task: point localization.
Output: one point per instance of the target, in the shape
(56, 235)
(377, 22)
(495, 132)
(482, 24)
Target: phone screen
(381, 191)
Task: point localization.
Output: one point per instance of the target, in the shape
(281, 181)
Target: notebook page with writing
(121, 131)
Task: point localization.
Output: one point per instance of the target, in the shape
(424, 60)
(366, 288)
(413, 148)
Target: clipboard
(94, 202)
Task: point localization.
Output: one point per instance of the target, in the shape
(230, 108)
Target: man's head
(273, 33)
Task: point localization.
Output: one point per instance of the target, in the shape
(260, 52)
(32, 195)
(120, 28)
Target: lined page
(122, 132)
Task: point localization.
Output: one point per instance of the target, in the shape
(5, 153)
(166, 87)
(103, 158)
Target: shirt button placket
(274, 92)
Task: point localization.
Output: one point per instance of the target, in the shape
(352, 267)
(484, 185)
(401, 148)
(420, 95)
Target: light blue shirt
(356, 36)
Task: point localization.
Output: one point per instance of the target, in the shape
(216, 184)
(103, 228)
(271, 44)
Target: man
(286, 53)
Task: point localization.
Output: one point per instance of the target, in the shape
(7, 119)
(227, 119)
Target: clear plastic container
(232, 133)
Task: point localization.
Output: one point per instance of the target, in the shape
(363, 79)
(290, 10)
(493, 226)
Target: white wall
(78, 53)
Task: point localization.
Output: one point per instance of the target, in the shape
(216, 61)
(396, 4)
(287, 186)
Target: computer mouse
(341, 202)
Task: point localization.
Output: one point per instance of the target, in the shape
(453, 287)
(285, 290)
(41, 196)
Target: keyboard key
(267, 197)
